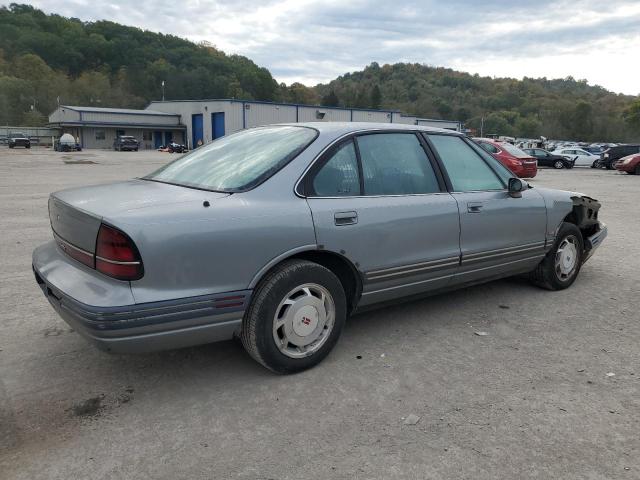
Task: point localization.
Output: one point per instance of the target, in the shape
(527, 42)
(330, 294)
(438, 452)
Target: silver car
(276, 234)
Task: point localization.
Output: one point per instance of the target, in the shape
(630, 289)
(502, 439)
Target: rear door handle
(474, 207)
(345, 218)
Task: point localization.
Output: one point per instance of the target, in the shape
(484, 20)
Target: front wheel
(561, 265)
(558, 164)
(295, 317)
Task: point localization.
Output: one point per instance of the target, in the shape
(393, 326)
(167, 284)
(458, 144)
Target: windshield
(237, 162)
(515, 151)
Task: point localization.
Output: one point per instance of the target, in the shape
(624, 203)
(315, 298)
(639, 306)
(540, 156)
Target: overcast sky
(312, 41)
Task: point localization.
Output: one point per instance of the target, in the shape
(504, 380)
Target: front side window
(395, 164)
(338, 177)
(237, 162)
(467, 170)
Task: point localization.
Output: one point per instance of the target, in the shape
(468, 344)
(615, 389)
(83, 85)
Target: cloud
(313, 41)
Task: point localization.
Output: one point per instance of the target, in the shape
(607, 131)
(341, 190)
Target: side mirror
(515, 187)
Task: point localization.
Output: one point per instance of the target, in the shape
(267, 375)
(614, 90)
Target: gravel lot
(535, 398)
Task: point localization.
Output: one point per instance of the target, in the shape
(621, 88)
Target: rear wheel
(561, 265)
(295, 318)
(558, 164)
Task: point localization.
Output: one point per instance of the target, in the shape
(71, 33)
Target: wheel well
(585, 217)
(341, 268)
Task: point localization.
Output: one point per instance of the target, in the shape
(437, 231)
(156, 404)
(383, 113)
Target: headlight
(628, 160)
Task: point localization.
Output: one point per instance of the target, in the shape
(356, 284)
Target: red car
(630, 164)
(520, 163)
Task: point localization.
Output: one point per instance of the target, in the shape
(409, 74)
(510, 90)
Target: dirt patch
(89, 408)
(79, 162)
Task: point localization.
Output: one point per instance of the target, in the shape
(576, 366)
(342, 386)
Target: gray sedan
(277, 234)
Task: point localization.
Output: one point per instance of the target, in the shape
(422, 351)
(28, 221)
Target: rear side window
(395, 164)
(467, 170)
(488, 147)
(338, 177)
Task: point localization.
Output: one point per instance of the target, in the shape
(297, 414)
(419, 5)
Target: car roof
(490, 140)
(352, 127)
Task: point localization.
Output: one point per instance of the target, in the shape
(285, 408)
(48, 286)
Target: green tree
(330, 100)
(376, 96)
(632, 115)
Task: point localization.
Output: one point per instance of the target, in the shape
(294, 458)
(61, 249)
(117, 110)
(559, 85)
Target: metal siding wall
(265, 114)
(64, 115)
(439, 124)
(121, 118)
(372, 116)
(308, 114)
(397, 118)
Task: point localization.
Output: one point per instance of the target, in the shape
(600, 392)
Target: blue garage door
(168, 138)
(217, 125)
(196, 128)
(157, 139)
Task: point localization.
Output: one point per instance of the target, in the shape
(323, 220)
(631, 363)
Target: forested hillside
(567, 109)
(43, 57)
(46, 58)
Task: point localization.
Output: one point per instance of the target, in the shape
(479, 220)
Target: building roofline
(118, 111)
(285, 104)
(116, 124)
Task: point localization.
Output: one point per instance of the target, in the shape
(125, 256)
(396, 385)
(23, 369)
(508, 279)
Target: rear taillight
(117, 255)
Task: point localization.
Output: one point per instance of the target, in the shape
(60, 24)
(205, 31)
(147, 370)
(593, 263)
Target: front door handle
(345, 218)
(474, 207)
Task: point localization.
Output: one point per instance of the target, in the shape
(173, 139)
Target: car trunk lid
(77, 213)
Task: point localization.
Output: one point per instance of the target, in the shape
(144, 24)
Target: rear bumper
(594, 241)
(137, 328)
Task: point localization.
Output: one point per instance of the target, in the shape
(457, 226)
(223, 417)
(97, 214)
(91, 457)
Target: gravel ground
(552, 390)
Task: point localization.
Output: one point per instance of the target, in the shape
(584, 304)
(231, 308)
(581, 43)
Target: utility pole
(482, 127)
(163, 90)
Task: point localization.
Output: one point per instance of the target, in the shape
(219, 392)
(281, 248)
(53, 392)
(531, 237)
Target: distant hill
(43, 57)
(46, 58)
(561, 109)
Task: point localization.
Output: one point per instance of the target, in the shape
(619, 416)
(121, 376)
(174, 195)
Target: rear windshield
(237, 162)
(513, 150)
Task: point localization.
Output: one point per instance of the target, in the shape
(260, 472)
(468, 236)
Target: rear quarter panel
(188, 249)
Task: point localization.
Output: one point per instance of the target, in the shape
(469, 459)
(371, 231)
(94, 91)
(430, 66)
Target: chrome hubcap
(304, 320)
(567, 257)
(559, 164)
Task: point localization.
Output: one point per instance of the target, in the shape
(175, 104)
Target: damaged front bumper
(592, 242)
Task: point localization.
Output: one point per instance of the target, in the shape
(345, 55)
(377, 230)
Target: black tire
(11, 146)
(558, 164)
(257, 327)
(545, 274)
(27, 146)
(610, 166)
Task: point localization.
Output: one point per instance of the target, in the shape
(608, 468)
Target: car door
(378, 199)
(499, 234)
(584, 159)
(541, 156)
